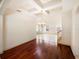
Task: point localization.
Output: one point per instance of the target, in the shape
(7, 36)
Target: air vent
(45, 1)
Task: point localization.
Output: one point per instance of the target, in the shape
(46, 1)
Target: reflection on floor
(32, 50)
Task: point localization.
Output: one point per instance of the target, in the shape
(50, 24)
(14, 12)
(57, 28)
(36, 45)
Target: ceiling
(33, 6)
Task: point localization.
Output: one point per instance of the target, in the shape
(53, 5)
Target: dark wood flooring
(32, 50)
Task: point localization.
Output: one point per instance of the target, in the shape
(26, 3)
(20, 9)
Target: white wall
(1, 34)
(77, 35)
(75, 32)
(67, 27)
(67, 21)
(20, 28)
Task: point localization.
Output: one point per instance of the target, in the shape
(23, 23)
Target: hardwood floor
(32, 50)
(0, 56)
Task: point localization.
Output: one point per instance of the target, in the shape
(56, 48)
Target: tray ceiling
(33, 6)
